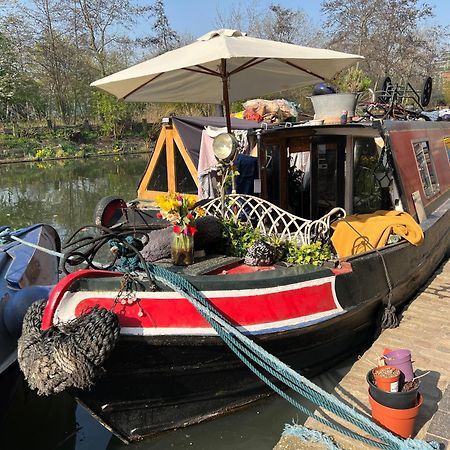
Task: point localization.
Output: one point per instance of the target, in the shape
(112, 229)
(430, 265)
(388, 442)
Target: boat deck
(425, 330)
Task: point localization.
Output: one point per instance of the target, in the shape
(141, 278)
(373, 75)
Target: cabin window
(158, 179)
(426, 168)
(184, 181)
(447, 147)
(366, 190)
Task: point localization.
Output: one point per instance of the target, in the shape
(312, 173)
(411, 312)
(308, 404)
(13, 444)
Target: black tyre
(109, 210)
(426, 92)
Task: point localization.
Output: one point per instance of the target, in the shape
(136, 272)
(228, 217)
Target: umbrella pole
(226, 99)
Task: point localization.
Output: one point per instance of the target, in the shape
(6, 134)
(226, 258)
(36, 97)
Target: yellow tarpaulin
(374, 228)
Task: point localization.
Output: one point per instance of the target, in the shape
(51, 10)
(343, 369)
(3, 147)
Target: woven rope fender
(68, 355)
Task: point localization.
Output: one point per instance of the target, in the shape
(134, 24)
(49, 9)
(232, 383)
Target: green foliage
(9, 71)
(112, 112)
(240, 236)
(353, 79)
(316, 253)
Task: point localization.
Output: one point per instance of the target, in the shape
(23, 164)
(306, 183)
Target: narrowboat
(169, 367)
(27, 274)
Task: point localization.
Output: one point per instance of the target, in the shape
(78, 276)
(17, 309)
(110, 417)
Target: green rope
(256, 358)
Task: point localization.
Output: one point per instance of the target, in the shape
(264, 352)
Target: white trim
(270, 327)
(66, 309)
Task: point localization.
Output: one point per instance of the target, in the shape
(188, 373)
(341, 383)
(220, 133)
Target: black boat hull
(156, 383)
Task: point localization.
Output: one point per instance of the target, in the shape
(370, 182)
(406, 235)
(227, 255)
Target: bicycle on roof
(396, 101)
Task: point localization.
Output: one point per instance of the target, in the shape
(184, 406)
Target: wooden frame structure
(169, 141)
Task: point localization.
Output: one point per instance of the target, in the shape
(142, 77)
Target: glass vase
(182, 249)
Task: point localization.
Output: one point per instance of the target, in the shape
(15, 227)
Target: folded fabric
(363, 232)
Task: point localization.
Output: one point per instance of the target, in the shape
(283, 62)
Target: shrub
(240, 236)
(316, 253)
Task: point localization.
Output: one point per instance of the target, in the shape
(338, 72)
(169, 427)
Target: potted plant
(405, 398)
(178, 209)
(386, 378)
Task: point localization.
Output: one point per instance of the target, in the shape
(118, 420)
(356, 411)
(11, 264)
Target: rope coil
(69, 355)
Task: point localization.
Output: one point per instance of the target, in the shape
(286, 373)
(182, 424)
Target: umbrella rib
(141, 86)
(204, 71)
(300, 68)
(252, 62)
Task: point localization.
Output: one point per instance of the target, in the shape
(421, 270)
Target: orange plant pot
(388, 384)
(398, 421)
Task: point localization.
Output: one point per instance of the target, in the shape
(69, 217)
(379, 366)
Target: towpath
(425, 330)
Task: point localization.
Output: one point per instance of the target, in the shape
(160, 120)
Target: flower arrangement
(178, 209)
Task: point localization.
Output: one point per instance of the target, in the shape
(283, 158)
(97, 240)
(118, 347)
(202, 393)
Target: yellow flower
(200, 211)
(161, 201)
(191, 201)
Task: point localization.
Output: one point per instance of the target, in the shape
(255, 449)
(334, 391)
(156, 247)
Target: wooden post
(226, 99)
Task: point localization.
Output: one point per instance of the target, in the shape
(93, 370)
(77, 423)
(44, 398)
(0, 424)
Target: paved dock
(425, 330)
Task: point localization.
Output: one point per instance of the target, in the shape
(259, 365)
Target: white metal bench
(271, 219)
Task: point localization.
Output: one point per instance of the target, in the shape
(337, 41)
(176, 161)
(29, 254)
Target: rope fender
(68, 355)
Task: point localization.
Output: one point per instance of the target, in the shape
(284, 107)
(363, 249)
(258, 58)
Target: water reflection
(57, 423)
(64, 193)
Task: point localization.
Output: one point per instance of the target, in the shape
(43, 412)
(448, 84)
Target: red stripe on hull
(245, 310)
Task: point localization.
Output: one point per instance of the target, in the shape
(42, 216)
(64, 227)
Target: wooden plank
(142, 192)
(170, 161)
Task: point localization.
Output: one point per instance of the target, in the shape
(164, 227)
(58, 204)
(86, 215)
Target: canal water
(64, 194)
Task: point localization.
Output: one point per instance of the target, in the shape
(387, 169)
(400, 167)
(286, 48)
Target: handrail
(271, 219)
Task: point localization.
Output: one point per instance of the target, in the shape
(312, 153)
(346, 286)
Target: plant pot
(386, 378)
(182, 249)
(398, 421)
(401, 359)
(397, 400)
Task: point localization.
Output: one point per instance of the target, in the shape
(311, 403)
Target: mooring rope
(389, 319)
(256, 358)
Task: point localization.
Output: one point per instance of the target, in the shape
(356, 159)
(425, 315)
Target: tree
(164, 38)
(266, 20)
(387, 33)
(103, 25)
(9, 74)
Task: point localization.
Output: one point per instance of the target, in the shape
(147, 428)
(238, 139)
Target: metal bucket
(332, 105)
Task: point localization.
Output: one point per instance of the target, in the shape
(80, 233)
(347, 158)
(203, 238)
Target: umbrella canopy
(224, 65)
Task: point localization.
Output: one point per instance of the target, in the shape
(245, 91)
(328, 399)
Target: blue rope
(256, 358)
(307, 435)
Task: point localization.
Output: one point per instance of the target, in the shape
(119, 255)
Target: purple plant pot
(401, 359)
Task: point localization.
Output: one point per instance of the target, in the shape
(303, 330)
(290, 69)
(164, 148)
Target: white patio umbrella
(223, 66)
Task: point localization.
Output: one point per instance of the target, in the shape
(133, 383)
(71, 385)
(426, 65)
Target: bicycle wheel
(426, 92)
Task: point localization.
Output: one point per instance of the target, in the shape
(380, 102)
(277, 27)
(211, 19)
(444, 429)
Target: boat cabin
(309, 169)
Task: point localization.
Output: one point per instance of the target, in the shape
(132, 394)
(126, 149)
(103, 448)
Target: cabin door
(273, 163)
(327, 183)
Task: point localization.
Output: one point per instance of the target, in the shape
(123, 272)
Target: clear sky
(196, 17)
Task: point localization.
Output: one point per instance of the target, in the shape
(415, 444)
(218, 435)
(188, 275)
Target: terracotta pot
(386, 378)
(398, 421)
